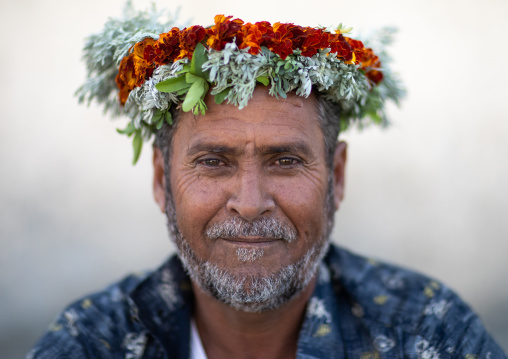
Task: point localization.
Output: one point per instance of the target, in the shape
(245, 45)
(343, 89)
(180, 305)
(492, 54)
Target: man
(250, 189)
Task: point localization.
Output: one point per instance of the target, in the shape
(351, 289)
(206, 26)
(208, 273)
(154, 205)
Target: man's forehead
(263, 101)
(270, 124)
(274, 112)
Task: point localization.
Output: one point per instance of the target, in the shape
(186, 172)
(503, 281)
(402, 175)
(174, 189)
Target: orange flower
(375, 76)
(282, 41)
(165, 50)
(340, 46)
(142, 68)
(267, 32)
(370, 59)
(126, 78)
(224, 31)
(357, 47)
(134, 69)
(370, 62)
(252, 37)
(189, 38)
(315, 39)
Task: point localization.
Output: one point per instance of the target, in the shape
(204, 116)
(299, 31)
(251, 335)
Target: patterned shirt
(360, 308)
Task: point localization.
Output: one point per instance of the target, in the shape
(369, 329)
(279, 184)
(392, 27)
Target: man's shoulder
(101, 325)
(387, 292)
(422, 311)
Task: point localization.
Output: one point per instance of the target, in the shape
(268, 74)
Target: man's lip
(250, 240)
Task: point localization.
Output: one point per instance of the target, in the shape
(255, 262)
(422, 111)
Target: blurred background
(430, 193)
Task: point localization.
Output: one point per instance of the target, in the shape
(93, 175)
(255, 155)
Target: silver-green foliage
(104, 51)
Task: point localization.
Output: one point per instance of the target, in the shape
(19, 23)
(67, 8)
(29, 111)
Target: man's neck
(230, 333)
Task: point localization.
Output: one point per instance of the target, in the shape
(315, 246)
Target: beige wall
(430, 193)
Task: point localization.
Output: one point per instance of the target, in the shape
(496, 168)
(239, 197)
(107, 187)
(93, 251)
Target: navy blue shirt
(360, 308)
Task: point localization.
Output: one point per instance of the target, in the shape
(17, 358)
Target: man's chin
(252, 291)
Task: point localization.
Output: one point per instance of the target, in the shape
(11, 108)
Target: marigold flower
(166, 49)
(357, 48)
(315, 39)
(282, 41)
(253, 36)
(340, 46)
(189, 38)
(370, 59)
(374, 76)
(224, 31)
(134, 69)
(141, 66)
(125, 79)
(266, 30)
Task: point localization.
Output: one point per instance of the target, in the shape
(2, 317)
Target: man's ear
(339, 166)
(159, 180)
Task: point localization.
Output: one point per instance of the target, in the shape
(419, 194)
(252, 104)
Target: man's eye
(211, 162)
(286, 161)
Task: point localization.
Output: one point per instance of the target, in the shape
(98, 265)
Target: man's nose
(249, 197)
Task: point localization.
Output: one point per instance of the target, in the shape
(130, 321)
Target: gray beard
(252, 293)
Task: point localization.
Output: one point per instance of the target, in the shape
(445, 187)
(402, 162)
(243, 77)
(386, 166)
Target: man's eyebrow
(291, 147)
(205, 146)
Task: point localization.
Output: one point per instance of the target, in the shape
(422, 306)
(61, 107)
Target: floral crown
(136, 67)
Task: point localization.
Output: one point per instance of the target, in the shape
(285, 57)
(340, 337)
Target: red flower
(315, 40)
(224, 31)
(189, 38)
(357, 47)
(282, 43)
(254, 35)
(134, 69)
(375, 76)
(165, 50)
(142, 68)
(341, 47)
(126, 78)
(370, 59)
(266, 30)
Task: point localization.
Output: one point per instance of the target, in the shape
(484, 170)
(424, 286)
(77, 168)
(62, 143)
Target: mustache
(263, 227)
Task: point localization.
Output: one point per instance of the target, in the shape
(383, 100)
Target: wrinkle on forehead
(285, 120)
(262, 95)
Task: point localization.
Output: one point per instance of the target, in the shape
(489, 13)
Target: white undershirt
(196, 346)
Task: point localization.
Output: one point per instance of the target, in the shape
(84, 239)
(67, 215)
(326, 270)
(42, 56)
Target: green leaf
(183, 91)
(129, 130)
(199, 57)
(200, 108)
(185, 69)
(157, 116)
(263, 79)
(137, 144)
(191, 78)
(159, 124)
(219, 98)
(173, 84)
(168, 117)
(282, 93)
(196, 91)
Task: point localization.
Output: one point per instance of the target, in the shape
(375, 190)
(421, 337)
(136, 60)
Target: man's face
(251, 194)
